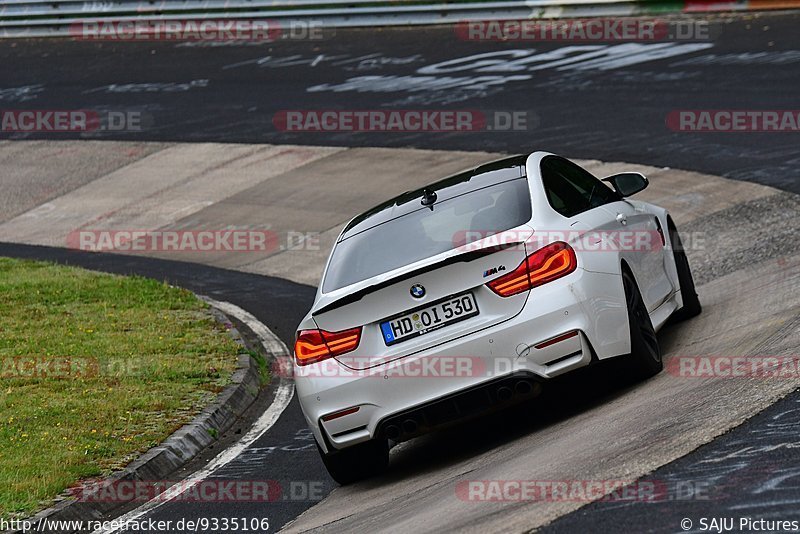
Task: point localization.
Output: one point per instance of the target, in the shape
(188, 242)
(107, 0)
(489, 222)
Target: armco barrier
(38, 18)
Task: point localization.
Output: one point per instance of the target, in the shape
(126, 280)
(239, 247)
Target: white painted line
(283, 396)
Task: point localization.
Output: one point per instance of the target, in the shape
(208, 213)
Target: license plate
(433, 317)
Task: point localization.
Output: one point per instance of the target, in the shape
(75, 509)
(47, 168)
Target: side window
(572, 190)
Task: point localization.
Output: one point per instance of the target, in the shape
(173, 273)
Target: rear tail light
(557, 339)
(316, 345)
(340, 413)
(545, 265)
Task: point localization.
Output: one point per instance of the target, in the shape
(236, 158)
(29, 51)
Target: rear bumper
(435, 386)
(474, 401)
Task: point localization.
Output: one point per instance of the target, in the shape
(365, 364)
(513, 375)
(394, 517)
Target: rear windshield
(423, 233)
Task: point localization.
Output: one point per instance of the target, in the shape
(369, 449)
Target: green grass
(127, 362)
(263, 367)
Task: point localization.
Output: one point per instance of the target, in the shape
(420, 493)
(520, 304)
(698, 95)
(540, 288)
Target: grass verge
(94, 370)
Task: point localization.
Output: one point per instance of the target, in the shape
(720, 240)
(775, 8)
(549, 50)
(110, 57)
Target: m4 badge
(494, 270)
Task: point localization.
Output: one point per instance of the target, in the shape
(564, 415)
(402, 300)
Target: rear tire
(645, 359)
(691, 304)
(357, 462)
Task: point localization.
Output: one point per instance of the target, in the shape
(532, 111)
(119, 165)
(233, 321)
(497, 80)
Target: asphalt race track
(719, 447)
(601, 106)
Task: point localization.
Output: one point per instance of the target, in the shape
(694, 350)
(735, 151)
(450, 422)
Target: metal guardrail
(93, 8)
(39, 18)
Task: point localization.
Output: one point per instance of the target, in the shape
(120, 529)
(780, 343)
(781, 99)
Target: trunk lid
(464, 269)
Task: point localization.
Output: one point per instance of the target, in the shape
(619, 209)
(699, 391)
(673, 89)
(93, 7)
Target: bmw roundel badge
(417, 291)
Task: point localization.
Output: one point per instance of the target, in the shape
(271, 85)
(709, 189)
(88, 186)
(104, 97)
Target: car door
(637, 234)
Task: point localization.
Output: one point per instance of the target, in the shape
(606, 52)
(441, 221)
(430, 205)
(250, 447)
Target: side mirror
(627, 183)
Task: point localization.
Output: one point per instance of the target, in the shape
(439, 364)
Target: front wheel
(357, 462)
(691, 304)
(645, 357)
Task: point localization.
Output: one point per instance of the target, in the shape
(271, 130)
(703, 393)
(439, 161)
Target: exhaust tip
(410, 426)
(523, 388)
(504, 393)
(392, 431)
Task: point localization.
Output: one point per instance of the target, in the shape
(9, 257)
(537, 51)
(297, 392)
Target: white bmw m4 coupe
(467, 295)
